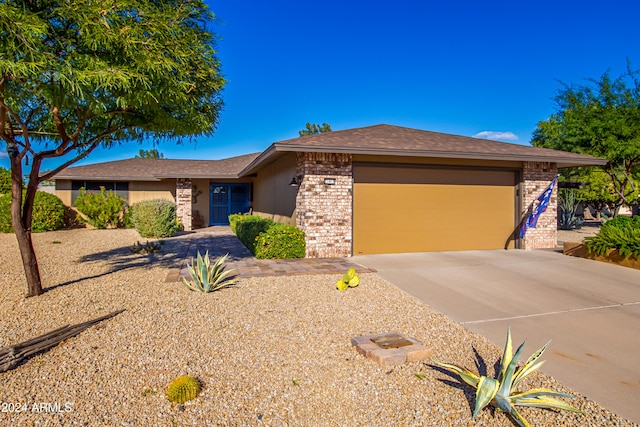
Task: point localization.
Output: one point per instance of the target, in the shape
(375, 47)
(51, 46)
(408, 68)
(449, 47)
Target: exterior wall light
(295, 181)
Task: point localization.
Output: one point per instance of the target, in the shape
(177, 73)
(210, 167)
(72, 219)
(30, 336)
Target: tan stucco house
(376, 189)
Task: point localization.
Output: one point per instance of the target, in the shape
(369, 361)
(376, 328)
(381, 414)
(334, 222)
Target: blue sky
(464, 67)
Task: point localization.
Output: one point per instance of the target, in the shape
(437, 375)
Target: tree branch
(61, 130)
(87, 149)
(82, 155)
(3, 115)
(23, 127)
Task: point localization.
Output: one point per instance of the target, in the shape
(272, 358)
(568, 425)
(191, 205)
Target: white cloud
(3, 154)
(489, 134)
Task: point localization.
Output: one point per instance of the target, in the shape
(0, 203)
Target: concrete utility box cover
(391, 348)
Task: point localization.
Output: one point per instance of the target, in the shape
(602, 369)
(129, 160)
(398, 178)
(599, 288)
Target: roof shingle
(139, 169)
(377, 140)
(395, 140)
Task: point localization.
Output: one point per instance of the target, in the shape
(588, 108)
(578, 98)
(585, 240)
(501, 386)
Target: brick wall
(324, 211)
(537, 176)
(183, 202)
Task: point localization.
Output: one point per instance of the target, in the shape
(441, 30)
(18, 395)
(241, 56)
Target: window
(121, 188)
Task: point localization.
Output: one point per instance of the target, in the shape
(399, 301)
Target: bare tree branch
(23, 127)
(61, 130)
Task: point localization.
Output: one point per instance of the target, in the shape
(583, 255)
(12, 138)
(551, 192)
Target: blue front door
(227, 199)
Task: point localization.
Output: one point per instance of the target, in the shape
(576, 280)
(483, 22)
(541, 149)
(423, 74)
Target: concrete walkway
(220, 241)
(590, 310)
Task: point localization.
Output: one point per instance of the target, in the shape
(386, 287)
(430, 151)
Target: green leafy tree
(78, 75)
(312, 128)
(599, 191)
(601, 118)
(149, 154)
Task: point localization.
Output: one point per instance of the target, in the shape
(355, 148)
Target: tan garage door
(403, 209)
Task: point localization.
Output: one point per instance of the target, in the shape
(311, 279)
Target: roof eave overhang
(570, 163)
(561, 161)
(197, 176)
(262, 157)
(276, 149)
(156, 178)
(107, 178)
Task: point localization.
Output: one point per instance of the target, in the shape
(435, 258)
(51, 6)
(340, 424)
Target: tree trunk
(31, 270)
(22, 228)
(616, 211)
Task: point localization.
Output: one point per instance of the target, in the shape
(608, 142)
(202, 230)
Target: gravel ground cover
(271, 351)
(578, 234)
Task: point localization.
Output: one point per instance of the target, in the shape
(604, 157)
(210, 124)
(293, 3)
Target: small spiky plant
(500, 392)
(350, 279)
(147, 249)
(206, 277)
(183, 388)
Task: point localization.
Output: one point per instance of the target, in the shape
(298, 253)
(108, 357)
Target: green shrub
(280, 241)
(248, 229)
(621, 233)
(5, 181)
(155, 218)
(101, 210)
(267, 239)
(623, 222)
(234, 219)
(5, 214)
(127, 218)
(48, 213)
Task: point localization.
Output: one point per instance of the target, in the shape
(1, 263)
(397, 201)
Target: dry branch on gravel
(11, 356)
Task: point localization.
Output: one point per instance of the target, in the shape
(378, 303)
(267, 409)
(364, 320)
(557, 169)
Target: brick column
(183, 202)
(537, 176)
(324, 210)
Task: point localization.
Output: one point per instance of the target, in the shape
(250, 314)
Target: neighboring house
(377, 189)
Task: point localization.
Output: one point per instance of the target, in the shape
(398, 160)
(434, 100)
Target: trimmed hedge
(249, 227)
(267, 239)
(280, 241)
(155, 218)
(48, 213)
(234, 219)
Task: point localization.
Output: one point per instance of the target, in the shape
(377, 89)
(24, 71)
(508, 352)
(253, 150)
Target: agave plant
(501, 393)
(205, 277)
(350, 279)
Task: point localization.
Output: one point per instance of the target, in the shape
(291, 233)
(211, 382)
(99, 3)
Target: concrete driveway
(590, 310)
